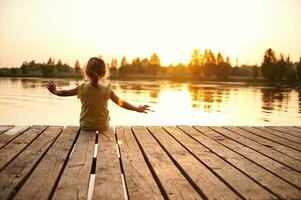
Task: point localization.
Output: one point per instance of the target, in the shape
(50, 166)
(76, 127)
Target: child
(94, 97)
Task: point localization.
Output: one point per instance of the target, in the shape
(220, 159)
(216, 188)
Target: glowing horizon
(70, 30)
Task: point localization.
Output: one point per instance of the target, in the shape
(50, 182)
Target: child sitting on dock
(94, 96)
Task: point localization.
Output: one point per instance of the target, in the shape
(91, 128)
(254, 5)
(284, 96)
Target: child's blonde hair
(95, 68)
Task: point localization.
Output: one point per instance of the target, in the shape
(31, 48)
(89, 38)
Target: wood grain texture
(281, 134)
(247, 132)
(249, 190)
(108, 182)
(205, 180)
(17, 172)
(290, 130)
(265, 150)
(11, 134)
(75, 178)
(174, 183)
(49, 168)
(277, 168)
(271, 182)
(11, 151)
(4, 128)
(182, 162)
(262, 132)
(139, 180)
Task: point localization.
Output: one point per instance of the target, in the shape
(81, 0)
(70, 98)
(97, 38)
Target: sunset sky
(74, 29)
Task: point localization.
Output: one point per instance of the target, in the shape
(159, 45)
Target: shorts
(95, 129)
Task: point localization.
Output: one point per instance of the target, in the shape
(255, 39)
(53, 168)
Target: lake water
(25, 101)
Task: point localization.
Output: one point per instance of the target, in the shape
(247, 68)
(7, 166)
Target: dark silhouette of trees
(24, 68)
(201, 66)
(123, 61)
(276, 69)
(255, 71)
(77, 68)
(195, 63)
(299, 70)
(150, 66)
(113, 67)
(290, 73)
(154, 64)
(223, 68)
(269, 64)
(50, 61)
(209, 62)
(180, 72)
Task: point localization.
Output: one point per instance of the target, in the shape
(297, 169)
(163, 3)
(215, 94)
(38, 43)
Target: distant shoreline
(247, 81)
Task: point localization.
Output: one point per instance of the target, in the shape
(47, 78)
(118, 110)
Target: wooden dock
(179, 162)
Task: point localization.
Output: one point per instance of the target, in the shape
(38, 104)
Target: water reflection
(208, 98)
(25, 101)
(275, 98)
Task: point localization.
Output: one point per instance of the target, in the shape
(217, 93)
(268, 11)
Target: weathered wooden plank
(16, 173)
(108, 182)
(277, 168)
(4, 128)
(42, 181)
(11, 134)
(276, 155)
(139, 180)
(75, 178)
(271, 182)
(263, 132)
(204, 179)
(249, 189)
(174, 183)
(288, 130)
(280, 134)
(10, 151)
(269, 143)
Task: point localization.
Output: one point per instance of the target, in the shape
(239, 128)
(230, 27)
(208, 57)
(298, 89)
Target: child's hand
(51, 87)
(143, 108)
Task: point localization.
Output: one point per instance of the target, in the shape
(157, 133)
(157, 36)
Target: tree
(220, 58)
(155, 63)
(279, 68)
(179, 72)
(195, 63)
(209, 63)
(223, 68)
(77, 67)
(24, 68)
(299, 70)
(145, 67)
(47, 70)
(59, 66)
(290, 73)
(123, 61)
(220, 65)
(136, 64)
(14, 70)
(114, 64)
(255, 71)
(268, 65)
(50, 61)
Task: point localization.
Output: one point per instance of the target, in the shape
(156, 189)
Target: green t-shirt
(94, 109)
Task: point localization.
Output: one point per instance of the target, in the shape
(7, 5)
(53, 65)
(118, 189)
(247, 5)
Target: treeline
(204, 65)
(201, 66)
(49, 69)
(277, 68)
(207, 66)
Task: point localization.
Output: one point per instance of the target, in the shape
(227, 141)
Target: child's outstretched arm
(63, 93)
(127, 105)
